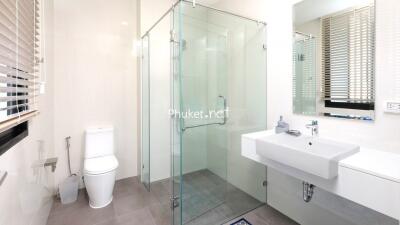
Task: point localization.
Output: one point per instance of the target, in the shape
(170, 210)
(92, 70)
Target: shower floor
(209, 199)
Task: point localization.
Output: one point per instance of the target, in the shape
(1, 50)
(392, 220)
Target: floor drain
(241, 222)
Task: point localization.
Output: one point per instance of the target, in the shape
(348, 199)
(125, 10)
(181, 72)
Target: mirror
(334, 58)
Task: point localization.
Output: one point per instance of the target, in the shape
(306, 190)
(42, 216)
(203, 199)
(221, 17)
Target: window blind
(348, 50)
(19, 57)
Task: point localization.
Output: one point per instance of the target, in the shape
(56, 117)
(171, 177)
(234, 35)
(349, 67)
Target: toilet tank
(99, 142)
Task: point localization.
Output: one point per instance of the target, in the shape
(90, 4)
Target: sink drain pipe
(308, 191)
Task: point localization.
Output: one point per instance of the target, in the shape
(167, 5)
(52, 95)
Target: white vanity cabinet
(370, 178)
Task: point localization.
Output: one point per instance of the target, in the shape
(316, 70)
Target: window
(348, 51)
(19, 42)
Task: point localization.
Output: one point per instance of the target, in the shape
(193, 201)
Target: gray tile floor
(207, 200)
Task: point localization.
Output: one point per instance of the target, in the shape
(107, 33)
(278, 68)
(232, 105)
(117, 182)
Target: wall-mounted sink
(314, 155)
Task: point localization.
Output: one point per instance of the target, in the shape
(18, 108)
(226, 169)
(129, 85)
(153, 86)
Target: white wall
(26, 194)
(383, 134)
(95, 71)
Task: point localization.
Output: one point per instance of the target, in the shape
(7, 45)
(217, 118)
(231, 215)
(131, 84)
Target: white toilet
(100, 166)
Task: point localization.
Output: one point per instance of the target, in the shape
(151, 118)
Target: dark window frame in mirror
(350, 105)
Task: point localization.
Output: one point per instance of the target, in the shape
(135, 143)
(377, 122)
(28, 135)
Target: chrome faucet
(314, 127)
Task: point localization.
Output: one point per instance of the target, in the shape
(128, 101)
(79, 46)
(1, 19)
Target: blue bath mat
(241, 222)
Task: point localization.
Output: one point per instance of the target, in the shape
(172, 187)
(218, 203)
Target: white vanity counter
(369, 177)
(377, 163)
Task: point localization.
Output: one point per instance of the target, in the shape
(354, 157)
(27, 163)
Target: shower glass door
(219, 93)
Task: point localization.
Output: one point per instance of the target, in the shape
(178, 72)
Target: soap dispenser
(282, 126)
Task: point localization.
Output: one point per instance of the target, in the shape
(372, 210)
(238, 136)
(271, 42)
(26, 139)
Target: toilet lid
(100, 165)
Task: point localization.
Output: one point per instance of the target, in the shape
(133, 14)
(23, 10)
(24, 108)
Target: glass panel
(222, 94)
(145, 138)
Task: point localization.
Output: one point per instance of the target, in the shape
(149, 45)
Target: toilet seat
(100, 165)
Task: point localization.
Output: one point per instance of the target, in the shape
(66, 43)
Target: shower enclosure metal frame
(178, 123)
(194, 5)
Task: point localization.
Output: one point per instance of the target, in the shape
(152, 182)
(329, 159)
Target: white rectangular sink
(314, 155)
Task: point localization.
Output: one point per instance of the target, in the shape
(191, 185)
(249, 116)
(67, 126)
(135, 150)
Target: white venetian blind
(348, 49)
(19, 31)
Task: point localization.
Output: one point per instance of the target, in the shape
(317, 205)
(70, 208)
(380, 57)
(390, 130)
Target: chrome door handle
(184, 127)
(225, 108)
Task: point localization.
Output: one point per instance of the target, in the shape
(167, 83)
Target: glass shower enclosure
(304, 74)
(203, 86)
